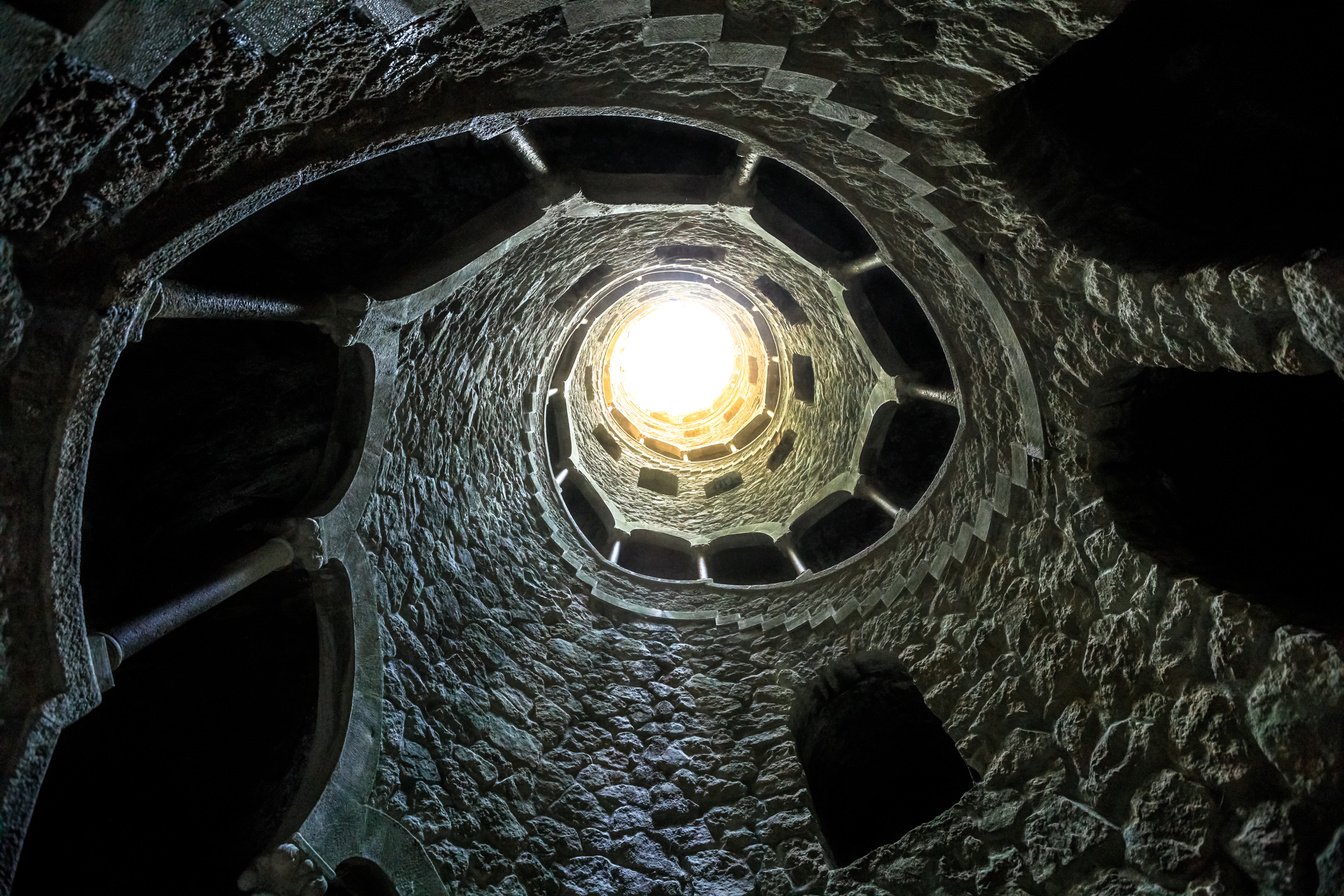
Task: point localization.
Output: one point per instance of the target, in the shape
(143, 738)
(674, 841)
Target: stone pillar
(338, 316)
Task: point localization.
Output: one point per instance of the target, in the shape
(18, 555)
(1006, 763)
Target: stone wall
(1136, 733)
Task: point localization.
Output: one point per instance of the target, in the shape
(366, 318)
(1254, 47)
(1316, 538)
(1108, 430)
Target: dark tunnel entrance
(210, 432)
(1173, 135)
(878, 761)
(1232, 477)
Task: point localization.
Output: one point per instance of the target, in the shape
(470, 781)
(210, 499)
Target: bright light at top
(675, 359)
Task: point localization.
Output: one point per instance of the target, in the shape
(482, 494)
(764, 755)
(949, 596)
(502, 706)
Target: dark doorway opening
(210, 431)
(360, 227)
(652, 558)
(361, 877)
(878, 761)
(750, 564)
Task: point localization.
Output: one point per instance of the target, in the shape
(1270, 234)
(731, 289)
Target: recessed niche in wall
(725, 483)
(659, 556)
(660, 481)
(783, 448)
(830, 536)
(804, 380)
(203, 742)
(782, 299)
(607, 440)
(1237, 94)
(906, 446)
(748, 560)
(1232, 477)
(690, 253)
(877, 760)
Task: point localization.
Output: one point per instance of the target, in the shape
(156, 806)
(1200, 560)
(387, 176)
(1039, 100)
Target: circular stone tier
(826, 413)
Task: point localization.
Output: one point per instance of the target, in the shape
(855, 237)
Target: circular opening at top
(675, 360)
(683, 367)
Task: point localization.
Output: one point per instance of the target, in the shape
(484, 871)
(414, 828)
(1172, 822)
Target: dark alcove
(649, 557)
(582, 504)
(629, 145)
(807, 218)
(896, 328)
(209, 432)
(362, 226)
(906, 446)
(1232, 477)
(750, 564)
(841, 533)
(1178, 134)
(69, 16)
(878, 761)
(188, 768)
(783, 448)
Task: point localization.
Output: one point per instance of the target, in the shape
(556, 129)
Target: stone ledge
(876, 145)
(917, 185)
(275, 24)
(588, 15)
(839, 112)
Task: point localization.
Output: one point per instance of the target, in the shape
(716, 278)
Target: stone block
(28, 46)
(494, 13)
(878, 146)
(135, 40)
(746, 54)
(587, 15)
(799, 82)
(839, 112)
(392, 14)
(275, 24)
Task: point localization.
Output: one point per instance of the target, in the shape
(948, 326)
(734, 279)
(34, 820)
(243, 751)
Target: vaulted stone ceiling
(1016, 576)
